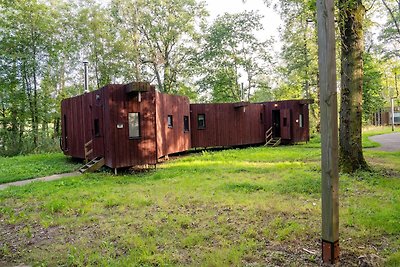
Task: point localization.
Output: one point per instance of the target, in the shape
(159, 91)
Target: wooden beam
(329, 131)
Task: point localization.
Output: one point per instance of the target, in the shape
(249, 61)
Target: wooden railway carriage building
(133, 124)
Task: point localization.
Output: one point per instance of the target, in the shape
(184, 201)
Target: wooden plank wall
(297, 133)
(80, 112)
(122, 151)
(227, 125)
(175, 139)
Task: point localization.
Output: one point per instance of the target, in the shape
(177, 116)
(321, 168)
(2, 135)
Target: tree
(168, 35)
(351, 19)
(231, 51)
(391, 29)
(36, 44)
(373, 88)
(27, 46)
(299, 69)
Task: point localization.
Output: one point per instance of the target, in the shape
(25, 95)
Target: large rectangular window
(134, 124)
(170, 122)
(201, 121)
(301, 123)
(186, 123)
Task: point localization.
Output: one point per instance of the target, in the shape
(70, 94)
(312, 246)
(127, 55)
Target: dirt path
(43, 179)
(389, 142)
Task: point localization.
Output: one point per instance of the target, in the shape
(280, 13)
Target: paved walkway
(389, 142)
(43, 179)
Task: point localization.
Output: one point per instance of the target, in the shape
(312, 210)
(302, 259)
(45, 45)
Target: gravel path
(389, 142)
(43, 179)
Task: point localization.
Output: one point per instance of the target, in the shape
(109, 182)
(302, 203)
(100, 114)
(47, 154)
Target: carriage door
(276, 123)
(97, 125)
(285, 123)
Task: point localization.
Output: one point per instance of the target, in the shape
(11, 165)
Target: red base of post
(330, 252)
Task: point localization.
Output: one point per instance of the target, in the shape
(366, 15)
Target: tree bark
(352, 14)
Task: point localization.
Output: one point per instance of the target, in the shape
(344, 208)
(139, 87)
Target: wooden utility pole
(329, 131)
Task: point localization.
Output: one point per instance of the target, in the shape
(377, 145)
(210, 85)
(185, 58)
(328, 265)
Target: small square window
(170, 121)
(201, 121)
(186, 123)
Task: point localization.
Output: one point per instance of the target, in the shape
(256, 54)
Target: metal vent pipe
(86, 85)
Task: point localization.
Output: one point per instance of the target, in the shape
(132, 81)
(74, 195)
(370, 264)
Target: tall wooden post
(329, 131)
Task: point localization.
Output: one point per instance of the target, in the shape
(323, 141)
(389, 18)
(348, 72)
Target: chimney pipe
(86, 85)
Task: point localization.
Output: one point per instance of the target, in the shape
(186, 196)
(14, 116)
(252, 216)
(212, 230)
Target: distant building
(383, 117)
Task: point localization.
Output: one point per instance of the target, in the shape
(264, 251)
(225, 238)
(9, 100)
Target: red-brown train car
(289, 119)
(130, 125)
(227, 124)
(234, 124)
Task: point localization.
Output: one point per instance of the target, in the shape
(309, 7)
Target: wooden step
(273, 142)
(93, 165)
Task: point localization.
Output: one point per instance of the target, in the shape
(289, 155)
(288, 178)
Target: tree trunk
(56, 127)
(157, 73)
(352, 14)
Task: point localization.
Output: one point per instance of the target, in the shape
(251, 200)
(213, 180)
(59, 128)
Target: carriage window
(186, 123)
(201, 121)
(261, 118)
(301, 124)
(134, 124)
(170, 121)
(65, 133)
(96, 128)
(284, 122)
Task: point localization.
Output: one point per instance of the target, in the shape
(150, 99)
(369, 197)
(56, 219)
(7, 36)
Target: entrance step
(273, 142)
(93, 165)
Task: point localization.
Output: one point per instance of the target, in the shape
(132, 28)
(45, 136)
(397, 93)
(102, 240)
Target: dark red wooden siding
(172, 139)
(290, 109)
(77, 118)
(121, 150)
(227, 125)
(110, 105)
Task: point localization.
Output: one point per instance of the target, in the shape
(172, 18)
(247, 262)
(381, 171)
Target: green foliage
(372, 87)
(165, 35)
(231, 50)
(43, 44)
(394, 260)
(207, 208)
(33, 166)
(390, 31)
(243, 187)
(298, 73)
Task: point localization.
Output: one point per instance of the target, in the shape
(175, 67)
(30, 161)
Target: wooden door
(285, 124)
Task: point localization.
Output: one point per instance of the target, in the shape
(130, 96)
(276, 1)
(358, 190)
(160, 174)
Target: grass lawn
(254, 206)
(33, 166)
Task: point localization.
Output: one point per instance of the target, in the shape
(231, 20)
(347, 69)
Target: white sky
(271, 20)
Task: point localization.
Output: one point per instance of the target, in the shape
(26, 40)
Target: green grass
(254, 206)
(33, 166)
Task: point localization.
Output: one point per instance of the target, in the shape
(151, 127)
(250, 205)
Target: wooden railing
(268, 136)
(88, 150)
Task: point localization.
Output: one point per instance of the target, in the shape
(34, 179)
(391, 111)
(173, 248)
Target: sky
(271, 20)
